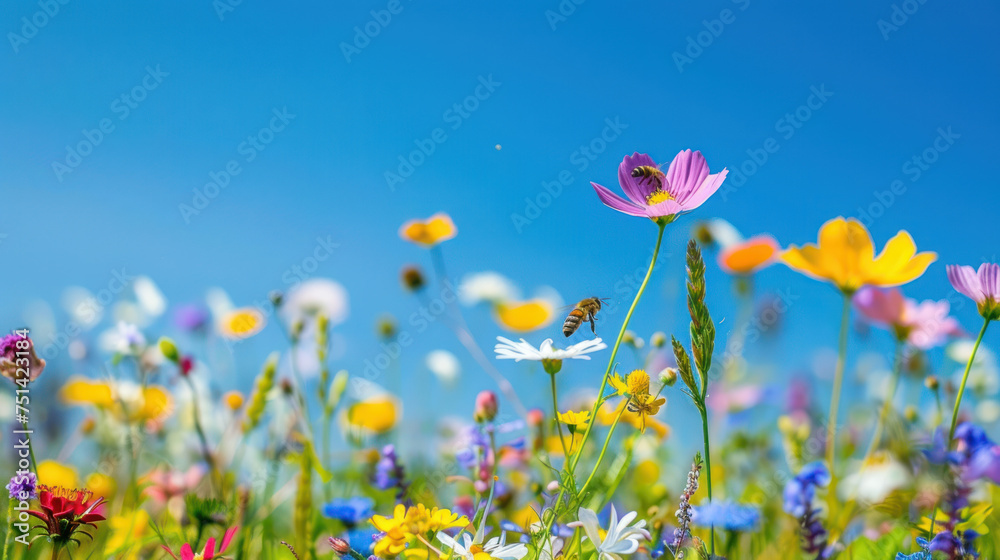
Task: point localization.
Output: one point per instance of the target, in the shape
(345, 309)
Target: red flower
(209, 552)
(65, 511)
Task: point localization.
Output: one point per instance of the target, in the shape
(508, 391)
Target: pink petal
(989, 279)
(885, 307)
(665, 208)
(618, 203)
(227, 538)
(964, 279)
(635, 191)
(707, 189)
(687, 172)
(186, 552)
(209, 551)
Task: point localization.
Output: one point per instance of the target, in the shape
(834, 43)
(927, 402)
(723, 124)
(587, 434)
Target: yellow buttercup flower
(406, 523)
(577, 421)
(429, 232)
(396, 534)
(242, 323)
(376, 415)
(635, 383)
(52, 473)
(127, 529)
(101, 485)
(524, 316)
(845, 256)
(233, 400)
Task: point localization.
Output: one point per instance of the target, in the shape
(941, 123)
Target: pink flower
(924, 325)
(982, 286)
(165, 484)
(662, 196)
(209, 551)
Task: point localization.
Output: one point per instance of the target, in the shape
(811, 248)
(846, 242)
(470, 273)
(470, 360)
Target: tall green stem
(897, 370)
(965, 378)
(607, 373)
(555, 415)
(708, 464)
(604, 450)
(838, 381)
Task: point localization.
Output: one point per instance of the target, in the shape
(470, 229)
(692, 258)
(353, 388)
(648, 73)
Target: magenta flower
(662, 196)
(924, 325)
(982, 286)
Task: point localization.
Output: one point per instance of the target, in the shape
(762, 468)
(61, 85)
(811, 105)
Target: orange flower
(429, 232)
(747, 257)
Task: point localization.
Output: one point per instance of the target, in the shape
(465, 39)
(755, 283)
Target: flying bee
(586, 310)
(649, 173)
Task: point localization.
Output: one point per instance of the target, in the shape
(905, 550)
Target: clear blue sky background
(892, 90)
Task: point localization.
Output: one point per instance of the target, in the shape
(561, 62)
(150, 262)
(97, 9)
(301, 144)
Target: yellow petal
(101, 485)
(157, 403)
(524, 316)
(430, 232)
(242, 323)
(377, 415)
(79, 390)
(52, 473)
(898, 263)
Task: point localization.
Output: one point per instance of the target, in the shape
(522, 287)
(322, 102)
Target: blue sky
(726, 77)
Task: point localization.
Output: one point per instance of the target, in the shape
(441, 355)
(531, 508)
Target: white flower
(315, 296)
(125, 338)
(873, 481)
(509, 350)
(149, 296)
(486, 286)
(620, 539)
(444, 365)
(496, 547)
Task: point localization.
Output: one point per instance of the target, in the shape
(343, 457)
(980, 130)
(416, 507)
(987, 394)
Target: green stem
(555, 414)
(838, 381)
(604, 450)
(205, 448)
(708, 465)
(897, 369)
(965, 378)
(9, 540)
(607, 373)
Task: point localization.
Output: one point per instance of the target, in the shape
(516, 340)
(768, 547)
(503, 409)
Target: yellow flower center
(657, 197)
(638, 383)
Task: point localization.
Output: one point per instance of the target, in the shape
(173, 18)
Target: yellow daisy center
(657, 197)
(638, 383)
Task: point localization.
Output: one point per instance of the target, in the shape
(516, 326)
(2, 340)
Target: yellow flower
(233, 400)
(127, 530)
(845, 256)
(749, 256)
(577, 421)
(376, 415)
(635, 383)
(101, 485)
(606, 415)
(51, 473)
(242, 323)
(524, 316)
(396, 534)
(124, 400)
(429, 232)
(644, 405)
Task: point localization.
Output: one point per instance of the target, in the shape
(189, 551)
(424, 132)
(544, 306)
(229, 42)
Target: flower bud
(910, 413)
(340, 546)
(658, 339)
(276, 298)
(668, 376)
(186, 364)
(931, 382)
(169, 349)
(412, 278)
(536, 417)
(337, 388)
(486, 406)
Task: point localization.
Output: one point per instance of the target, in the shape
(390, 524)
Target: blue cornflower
(362, 540)
(26, 483)
(350, 511)
(728, 516)
(800, 492)
(923, 554)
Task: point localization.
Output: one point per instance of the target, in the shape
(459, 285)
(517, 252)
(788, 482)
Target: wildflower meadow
(236, 325)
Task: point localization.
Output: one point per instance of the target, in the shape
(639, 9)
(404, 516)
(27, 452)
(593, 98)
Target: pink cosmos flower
(662, 196)
(924, 325)
(982, 286)
(165, 484)
(209, 551)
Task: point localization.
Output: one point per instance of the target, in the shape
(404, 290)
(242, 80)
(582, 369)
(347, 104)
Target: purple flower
(190, 317)
(661, 196)
(982, 286)
(799, 495)
(389, 473)
(980, 456)
(472, 446)
(14, 346)
(26, 483)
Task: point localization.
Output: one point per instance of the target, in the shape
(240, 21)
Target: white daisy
(620, 538)
(496, 547)
(487, 286)
(507, 349)
(444, 365)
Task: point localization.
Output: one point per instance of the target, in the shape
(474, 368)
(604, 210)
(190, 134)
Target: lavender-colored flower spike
(389, 473)
(684, 508)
